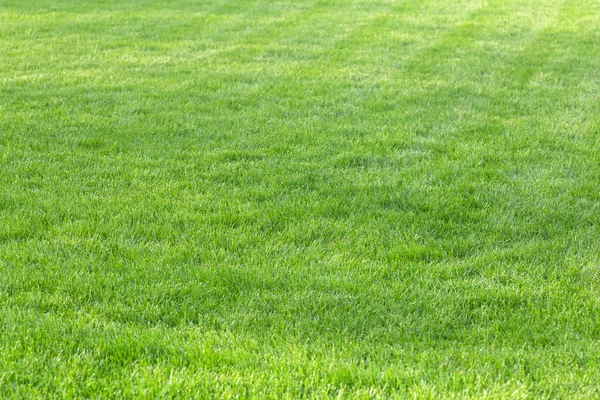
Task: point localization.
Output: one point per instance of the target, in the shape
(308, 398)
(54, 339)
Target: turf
(309, 198)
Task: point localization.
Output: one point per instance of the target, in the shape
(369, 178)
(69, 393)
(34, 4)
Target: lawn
(308, 198)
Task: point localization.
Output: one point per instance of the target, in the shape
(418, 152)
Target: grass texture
(308, 198)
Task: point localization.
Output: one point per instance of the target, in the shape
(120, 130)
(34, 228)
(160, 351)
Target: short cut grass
(308, 198)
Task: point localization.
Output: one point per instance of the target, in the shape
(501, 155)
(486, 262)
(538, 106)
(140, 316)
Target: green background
(312, 198)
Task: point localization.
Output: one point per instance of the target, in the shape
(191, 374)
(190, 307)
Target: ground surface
(366, 198)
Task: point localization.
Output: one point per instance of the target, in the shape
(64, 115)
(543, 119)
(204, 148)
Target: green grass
(308, 198)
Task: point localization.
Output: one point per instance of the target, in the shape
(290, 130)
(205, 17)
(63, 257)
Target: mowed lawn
(308, 198)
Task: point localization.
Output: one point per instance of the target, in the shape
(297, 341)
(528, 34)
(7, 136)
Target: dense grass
(320, 198)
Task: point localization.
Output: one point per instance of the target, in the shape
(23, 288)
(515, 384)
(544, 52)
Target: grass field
(308, 198)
